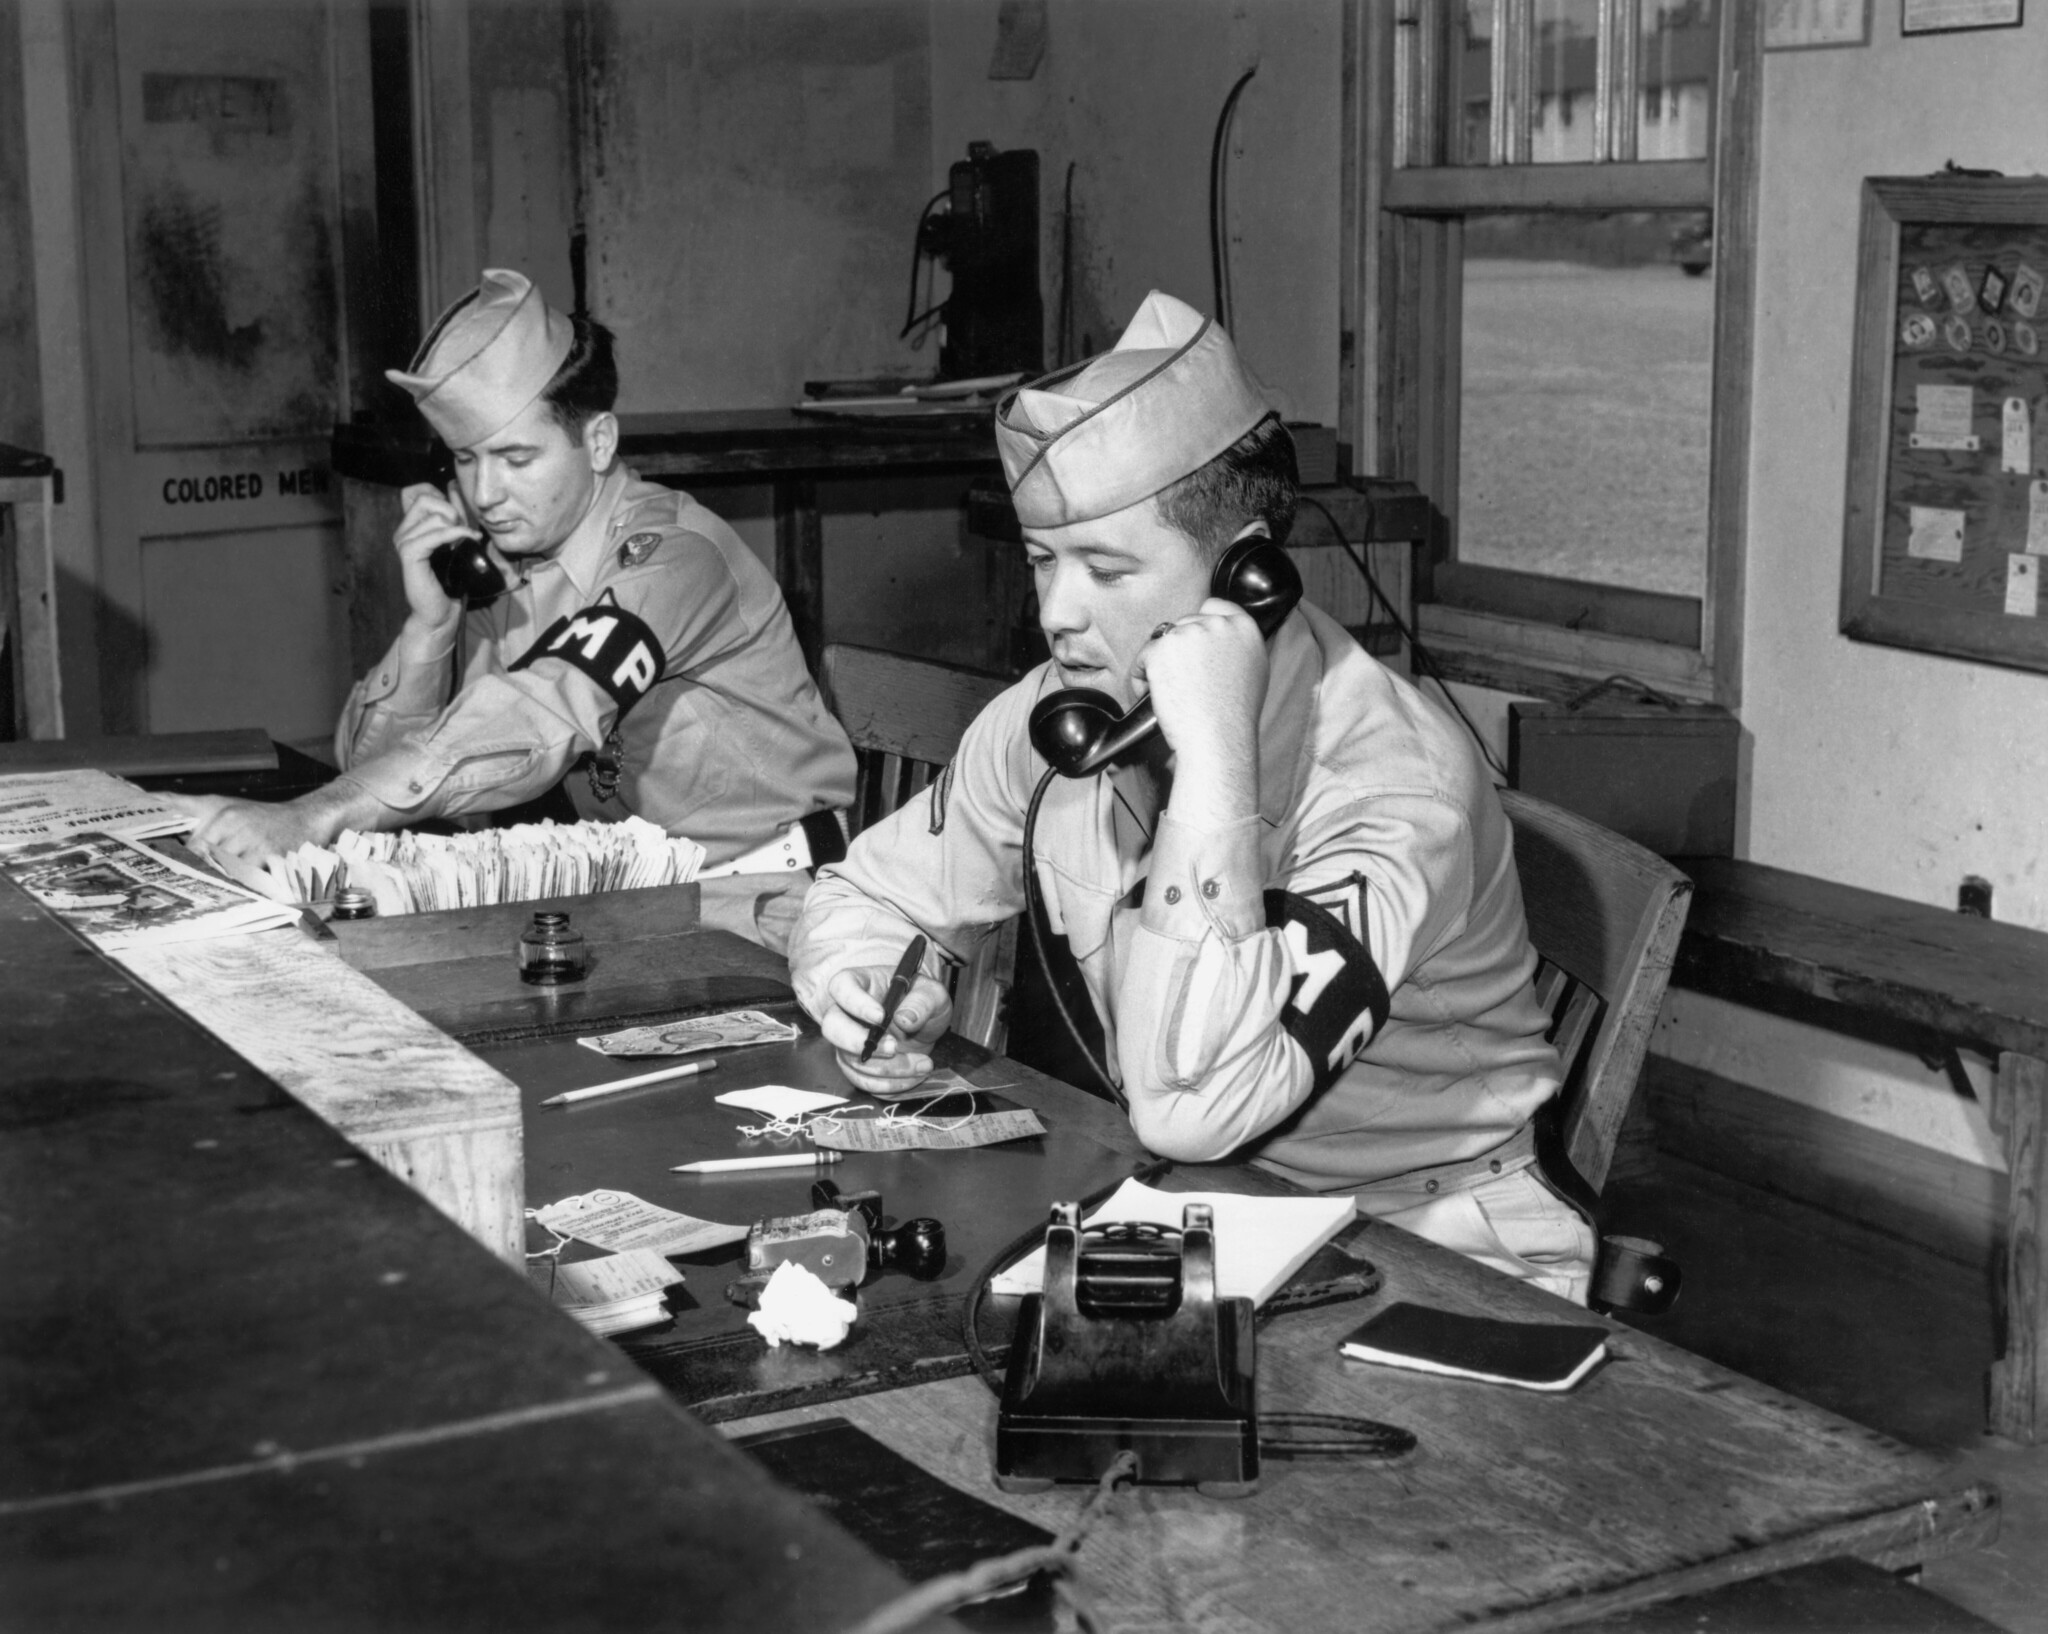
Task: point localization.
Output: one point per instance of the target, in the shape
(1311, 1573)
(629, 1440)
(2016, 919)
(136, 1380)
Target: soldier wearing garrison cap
(1292, 921)
(639, 661)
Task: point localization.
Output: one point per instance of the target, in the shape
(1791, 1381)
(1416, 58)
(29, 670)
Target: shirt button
(1430, 1185)
(1495, 1165)
(413, 788)
(1172, 895)
(1210, 888)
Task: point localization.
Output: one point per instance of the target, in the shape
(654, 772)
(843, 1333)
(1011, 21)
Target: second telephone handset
(466, 571)
(1079, 731)
(464, 568)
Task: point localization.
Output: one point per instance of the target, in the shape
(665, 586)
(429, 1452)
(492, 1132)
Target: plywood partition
(399, 1088)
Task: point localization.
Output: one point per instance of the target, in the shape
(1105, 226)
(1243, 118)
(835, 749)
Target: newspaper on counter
(125, 895)
(36, 807)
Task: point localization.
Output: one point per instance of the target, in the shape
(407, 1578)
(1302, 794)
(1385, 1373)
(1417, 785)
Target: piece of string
(1057, 1559)
(553, 1252)
(890, 1117)
(1424, 660)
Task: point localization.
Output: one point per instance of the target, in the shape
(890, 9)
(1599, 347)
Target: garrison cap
(490, 355)
(1100, 436)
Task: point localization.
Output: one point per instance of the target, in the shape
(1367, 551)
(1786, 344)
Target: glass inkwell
(550, 953)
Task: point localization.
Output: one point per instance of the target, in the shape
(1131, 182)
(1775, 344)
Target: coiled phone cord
(1041, 937)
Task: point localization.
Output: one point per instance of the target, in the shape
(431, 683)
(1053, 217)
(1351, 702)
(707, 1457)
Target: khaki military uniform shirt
(1372, 804)
(653, 638)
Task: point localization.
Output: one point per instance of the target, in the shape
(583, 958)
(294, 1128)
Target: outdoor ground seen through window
(1586, 397)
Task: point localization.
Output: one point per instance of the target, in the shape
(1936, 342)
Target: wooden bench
(1757, 931)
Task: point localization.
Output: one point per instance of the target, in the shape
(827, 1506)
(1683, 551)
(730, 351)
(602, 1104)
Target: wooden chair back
(905, 717)
(1605, 916)
(28, 597)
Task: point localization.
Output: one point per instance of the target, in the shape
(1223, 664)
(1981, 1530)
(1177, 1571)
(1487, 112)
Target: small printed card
(720, 1032)
(634, 1274)
(618, 1220)
(938, 1134)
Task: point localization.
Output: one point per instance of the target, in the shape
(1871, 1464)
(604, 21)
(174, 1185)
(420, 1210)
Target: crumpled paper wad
(798, 1309)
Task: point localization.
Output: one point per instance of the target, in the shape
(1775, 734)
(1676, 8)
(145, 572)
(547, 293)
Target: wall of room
(1894, 770)
(21, 415)
(1129, 95)
(753, 177)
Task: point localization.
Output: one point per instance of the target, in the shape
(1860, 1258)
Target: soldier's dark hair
(1254, 478)
(587, 383)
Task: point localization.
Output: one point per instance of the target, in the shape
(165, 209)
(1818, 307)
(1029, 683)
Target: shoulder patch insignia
(1339, 998)
(610, 645)
(637, 548)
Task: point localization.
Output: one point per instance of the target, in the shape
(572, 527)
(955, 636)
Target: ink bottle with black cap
(550, 953)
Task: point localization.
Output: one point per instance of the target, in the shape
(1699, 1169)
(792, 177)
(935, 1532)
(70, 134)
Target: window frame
(1402, 297)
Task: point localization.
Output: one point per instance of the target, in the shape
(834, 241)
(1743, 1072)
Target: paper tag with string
(618, 1220)
(925, 1134)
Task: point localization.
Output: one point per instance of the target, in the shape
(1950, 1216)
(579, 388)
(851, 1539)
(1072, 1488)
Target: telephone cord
(956, 1589)
(1041, 937)
(1424, 658)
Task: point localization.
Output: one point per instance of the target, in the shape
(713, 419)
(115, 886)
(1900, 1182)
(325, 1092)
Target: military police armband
(611, 646)
(1339, 998)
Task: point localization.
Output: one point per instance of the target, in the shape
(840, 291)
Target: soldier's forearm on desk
(345, 803)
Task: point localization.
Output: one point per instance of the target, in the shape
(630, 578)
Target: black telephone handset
(1079, 731)
(466, 572)
(463, 567)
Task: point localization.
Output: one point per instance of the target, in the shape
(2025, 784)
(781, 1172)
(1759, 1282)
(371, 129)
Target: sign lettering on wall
(233, 489)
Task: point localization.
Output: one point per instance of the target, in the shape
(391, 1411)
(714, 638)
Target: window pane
(1470, 60)
(1587, 398)
(1566, 49)
(1675, 79)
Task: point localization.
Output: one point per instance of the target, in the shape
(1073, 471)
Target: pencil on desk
(684, 1071)
(777, 1160)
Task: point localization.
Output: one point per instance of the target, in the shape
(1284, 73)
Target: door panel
(222, 162)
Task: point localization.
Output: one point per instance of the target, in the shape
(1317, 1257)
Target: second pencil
(570, 1096)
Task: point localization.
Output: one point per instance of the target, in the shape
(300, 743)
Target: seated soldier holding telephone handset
(609, 629)
(1293, 906)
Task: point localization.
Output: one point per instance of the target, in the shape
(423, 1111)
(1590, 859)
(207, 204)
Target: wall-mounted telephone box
(1661, 773)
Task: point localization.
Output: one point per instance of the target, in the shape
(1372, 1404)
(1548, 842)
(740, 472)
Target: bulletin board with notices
(1946, 522)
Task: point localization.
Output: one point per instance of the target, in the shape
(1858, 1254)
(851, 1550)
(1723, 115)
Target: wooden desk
(249, 1382)
(1755, 931)
(1663, 1474)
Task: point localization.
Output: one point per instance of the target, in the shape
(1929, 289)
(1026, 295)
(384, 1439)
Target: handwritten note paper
(1935, 535)
(1941, 417)
(2022, 586)
(1260, 1241)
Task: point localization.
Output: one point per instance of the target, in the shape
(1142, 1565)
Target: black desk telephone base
(1129, 1349)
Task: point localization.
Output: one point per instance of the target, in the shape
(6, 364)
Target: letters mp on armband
(610, 645)
(1339, 998)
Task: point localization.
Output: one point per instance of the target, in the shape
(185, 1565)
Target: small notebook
(1529, 1355)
